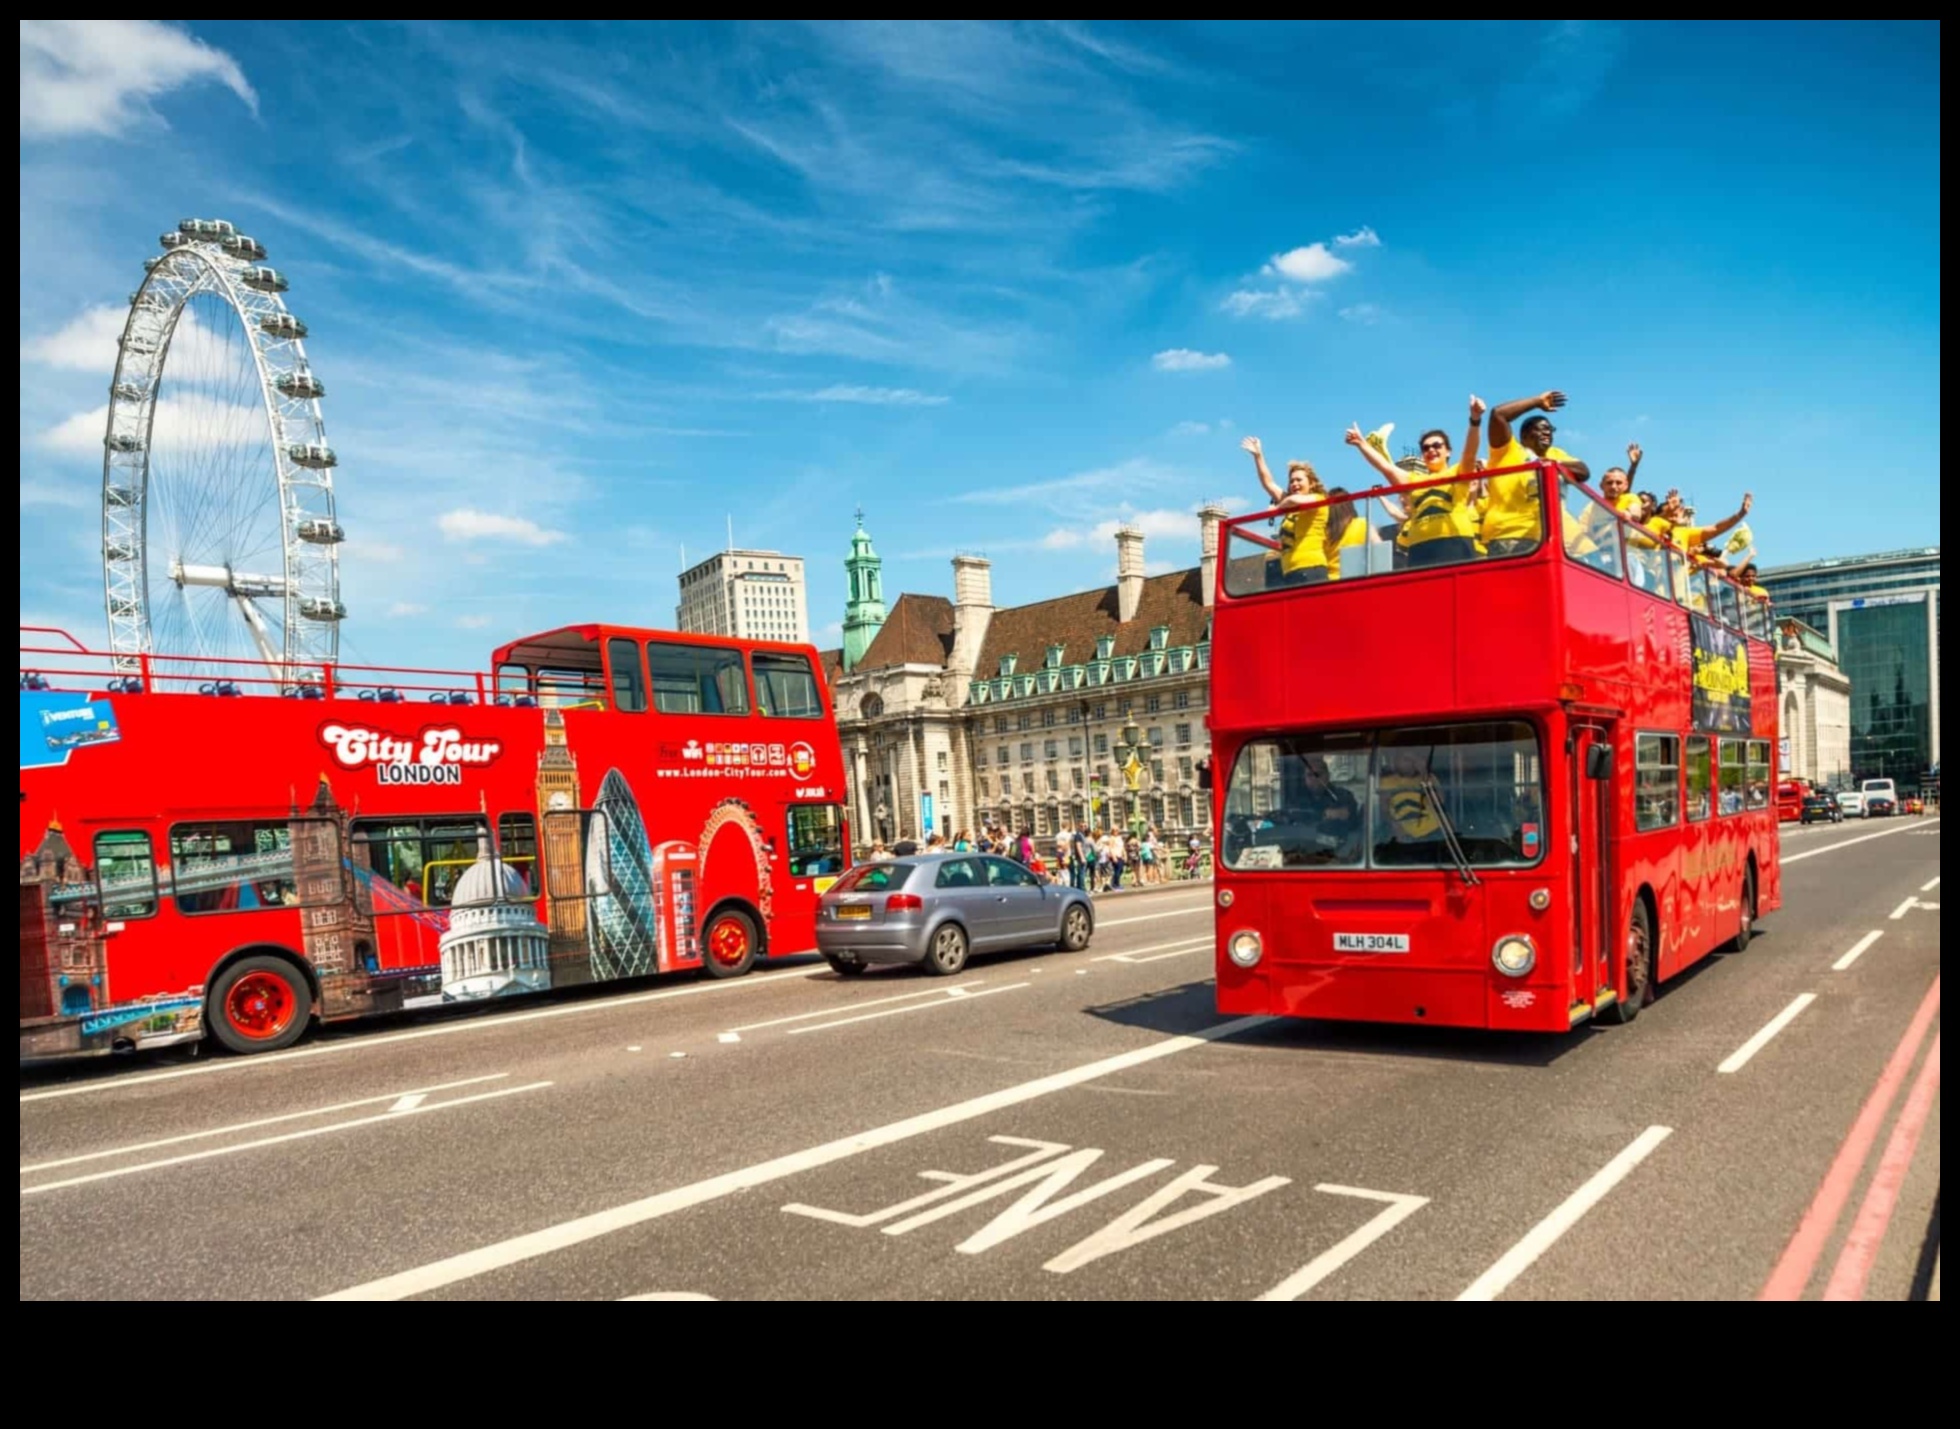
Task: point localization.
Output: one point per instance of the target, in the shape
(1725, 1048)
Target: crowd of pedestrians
(1094, 862)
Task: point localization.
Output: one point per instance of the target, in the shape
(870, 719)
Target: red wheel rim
(260, 1005)
(728, 941)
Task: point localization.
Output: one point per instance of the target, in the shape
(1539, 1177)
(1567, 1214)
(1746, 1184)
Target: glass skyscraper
(1883, 614)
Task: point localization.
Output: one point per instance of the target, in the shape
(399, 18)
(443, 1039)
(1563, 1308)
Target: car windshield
(1389, 798)
(874, 878)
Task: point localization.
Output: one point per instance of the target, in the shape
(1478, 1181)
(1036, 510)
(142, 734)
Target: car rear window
(873, 877)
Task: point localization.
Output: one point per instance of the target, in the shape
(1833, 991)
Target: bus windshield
(1354, 800)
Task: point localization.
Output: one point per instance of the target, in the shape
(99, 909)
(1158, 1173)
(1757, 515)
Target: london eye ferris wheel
(220, 542)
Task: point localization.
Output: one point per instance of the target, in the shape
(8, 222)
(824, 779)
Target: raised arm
(1388, 470)
(1633, 462)
(1467, 463)
(1728, 523)
(1505, 413)
(1251, 444)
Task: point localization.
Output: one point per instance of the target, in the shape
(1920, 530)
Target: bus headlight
(1243, 948)
(1514, 956)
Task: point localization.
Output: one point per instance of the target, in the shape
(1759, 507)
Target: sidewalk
(1188, 885)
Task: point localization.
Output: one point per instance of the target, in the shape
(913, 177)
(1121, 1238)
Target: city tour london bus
(238, 850)
(1507, 791)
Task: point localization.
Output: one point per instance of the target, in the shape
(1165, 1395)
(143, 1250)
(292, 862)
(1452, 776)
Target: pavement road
(1046, 1126)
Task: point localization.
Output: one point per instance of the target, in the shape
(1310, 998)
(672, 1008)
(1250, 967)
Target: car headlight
(1514, 955)
(1243, 948)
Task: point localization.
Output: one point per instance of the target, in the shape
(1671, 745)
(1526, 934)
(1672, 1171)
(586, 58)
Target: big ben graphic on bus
(564, 876)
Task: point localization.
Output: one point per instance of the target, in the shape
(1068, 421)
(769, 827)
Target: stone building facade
(1816, 713)
(959, 715)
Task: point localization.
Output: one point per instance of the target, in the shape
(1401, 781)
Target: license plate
(1371, 942)
(854, 910)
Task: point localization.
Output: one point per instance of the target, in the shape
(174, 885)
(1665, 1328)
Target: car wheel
(946, 954)
(1075, 928)
(844, 967)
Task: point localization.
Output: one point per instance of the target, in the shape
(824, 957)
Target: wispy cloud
(89, 343)
(403, 608)
(179, 423)
(1161, 523)
(1273, 303)
(72, 496)
(1184, 359)
(472, 622)
(1136, 474)
(1190, 429)
(1292, 277)
(1362, 237)
(467, 524)
(100, 76)
(1367, 314)
(864, 396)
(1313, 263)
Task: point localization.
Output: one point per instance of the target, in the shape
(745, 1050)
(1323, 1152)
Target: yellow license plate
(854, 910)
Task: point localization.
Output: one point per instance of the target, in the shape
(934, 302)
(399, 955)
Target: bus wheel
(259, 1005)
(1640, 967)
(1747, 928)
(729, 945)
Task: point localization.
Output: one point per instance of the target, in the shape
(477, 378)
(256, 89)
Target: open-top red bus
(1503, 791)
(236, 851)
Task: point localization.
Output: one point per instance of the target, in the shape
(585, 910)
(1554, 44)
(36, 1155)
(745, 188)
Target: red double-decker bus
(237, 851)
(1491, 790)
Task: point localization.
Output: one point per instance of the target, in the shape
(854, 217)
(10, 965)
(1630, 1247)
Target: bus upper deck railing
(1434, 523)
(52, 659)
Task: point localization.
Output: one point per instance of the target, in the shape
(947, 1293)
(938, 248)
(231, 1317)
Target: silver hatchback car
(935, 909)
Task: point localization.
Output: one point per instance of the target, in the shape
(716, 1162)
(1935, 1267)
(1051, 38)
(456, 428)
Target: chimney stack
(973, 609)
(1129, 572)
(1209, 515)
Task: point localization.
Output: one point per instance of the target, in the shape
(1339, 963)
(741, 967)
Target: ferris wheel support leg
(262, 637)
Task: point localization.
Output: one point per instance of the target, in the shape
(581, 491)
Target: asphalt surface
(1045, 1126)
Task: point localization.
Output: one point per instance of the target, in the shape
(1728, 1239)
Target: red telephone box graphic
(673, 905)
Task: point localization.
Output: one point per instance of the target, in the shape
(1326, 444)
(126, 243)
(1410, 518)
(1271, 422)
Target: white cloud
(71, 495)
(1274, 303)
(1314, 263)
(466, 524)
(472, 622)
(868, 396)
(1066, 492)
(1362, 237)
(833, 631)
(1190, 429)
(89, 344)
(1184, 359)
(99, 76)
(1159, 524)
(1367, 314)
(406, 607)
(178, 424)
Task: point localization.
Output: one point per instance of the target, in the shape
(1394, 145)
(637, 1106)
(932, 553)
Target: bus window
(623, 659)
(1297, 803)
(1701, 779)
(422, 858)
(1730, 772)
(1756, 786)
(517, 845)
(233, 866)
(126, 875)
(572, 689)
(697, 679)
(1698, 600)
(1726, 604)
(785, 687)
(1488, 778)
(1592, 530)
(816, 840)
(1656, 781)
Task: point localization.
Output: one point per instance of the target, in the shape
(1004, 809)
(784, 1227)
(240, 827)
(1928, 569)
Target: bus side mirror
(1599, 761)
(1204, 774)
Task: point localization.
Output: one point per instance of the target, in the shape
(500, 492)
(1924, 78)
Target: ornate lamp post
(1131, 750)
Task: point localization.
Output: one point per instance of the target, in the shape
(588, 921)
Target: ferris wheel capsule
(312, 455)
(264, 280)
(239, 246)
(302, 385)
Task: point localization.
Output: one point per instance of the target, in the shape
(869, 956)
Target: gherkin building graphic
(619, 879)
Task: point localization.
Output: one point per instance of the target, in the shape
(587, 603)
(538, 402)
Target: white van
(1878, 796)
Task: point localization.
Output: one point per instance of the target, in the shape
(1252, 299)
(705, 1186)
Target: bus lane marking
(1180, 946)
(1930, 884)
(1047, 1171)
(1857, 950)
(1933, 827)
(1397, 1210)
(848, 1007)
(396, 1097)
(952, 997)
(1904, 908)
(1543, 1236)
(1204, 907)
(189, 1156)
(1739, 1058)
(1854, 1265)
(533, 1244)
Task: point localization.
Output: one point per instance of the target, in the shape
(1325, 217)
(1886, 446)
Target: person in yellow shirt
(1344, 529)
(1405, 800)
(1440, 529)
(1675, 520)
(1303, 530)
(1512, 522)
(1745, 576)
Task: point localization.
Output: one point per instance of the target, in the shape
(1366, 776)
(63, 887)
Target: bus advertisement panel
(613, 803)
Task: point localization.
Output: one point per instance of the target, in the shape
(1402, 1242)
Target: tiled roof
(831, 662)
(918, 631)
(1077, 621)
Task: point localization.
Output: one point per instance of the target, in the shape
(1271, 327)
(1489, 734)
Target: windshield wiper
(1443, 822)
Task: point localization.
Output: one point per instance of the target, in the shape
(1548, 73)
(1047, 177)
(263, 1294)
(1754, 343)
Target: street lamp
(1130, 752)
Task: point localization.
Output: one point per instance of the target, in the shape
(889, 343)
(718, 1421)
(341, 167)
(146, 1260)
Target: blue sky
(580, 294)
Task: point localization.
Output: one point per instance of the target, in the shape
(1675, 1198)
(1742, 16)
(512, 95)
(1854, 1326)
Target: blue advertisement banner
(55, 723)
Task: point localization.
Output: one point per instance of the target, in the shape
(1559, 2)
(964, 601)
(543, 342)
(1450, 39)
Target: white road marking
(951, 999)
(1904, 908)
(729, 1037)
(1159, 957)
(1398, 1210)
(1204, 907)
(502, 1020)
(274, 1140)
(833, 1011)
(1739, 1058)
(409, 1102)
(1862, 838)
(1543, 1236)
(1182, 945)
(665, 1203)
(254, 1125)
(1857, 950)
(1926, 907)
(1930, 885)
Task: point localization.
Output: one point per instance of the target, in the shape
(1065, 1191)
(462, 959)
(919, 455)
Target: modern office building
(1882, 616)
(751, 595)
